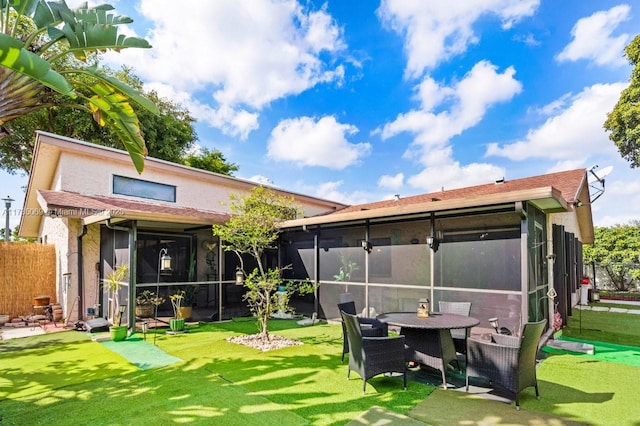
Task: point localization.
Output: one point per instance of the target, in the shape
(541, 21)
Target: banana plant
(45, 47)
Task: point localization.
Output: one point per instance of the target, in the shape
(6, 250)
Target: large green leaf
(14, 56)
(112, 107)
(22, 7)
(99, 15)
(124, 88)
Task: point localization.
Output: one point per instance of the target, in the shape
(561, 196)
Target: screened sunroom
(499, 252)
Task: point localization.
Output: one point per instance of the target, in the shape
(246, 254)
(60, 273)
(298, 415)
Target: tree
(211, 160)
(624, 121)
(252, 230)
(170, 135)
(41, 43)
(617, 250)
(14, 237)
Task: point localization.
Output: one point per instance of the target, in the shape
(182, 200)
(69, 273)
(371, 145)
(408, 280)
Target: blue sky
(358, 100)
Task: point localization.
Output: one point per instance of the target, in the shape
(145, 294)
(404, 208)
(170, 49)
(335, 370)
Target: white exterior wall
(569, 220)
(56, 231)
(94, 176)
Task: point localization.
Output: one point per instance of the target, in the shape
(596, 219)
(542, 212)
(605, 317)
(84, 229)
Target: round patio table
(428, 340)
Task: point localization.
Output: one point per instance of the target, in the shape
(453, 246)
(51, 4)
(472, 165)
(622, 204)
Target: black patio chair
(371, 327)
(509, 362)
(459, 336)
(370, 356)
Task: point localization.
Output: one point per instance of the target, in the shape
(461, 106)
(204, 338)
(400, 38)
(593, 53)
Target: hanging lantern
(239, 277)
(423, 308)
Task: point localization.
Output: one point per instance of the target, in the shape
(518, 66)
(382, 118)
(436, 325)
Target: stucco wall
(94, 176)
(55, 231)
(568, 220)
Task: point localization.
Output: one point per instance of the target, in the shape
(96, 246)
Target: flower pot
(118, 332)
(144, 311)
(176, 324)
(186, 311)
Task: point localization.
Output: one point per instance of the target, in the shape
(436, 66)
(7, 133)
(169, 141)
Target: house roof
(98, 208)
(567, 182)
(553, 192)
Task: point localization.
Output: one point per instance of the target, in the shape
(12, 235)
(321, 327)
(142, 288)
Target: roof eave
(545, 197)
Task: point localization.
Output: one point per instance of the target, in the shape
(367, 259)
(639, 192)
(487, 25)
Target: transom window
(144, 189)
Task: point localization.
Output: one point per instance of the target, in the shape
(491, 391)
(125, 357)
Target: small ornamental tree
(617, 250)
(252, 230)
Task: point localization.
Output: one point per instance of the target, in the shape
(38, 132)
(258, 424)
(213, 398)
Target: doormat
(140, 353)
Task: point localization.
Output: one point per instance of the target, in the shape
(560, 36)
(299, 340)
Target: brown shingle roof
(67, 203)
(567, 182)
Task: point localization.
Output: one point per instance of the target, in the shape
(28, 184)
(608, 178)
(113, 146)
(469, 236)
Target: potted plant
(113, 284)
(189, 294)
(176, 324)
(146, 302)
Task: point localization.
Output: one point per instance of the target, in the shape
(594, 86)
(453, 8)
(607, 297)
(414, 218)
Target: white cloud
(331, 191)
(481, 88)
(310, 142)
(437, 30)
(451, 174)
(593, 38)
(391, 182)
(573, 134)
(622, 184)
(262, 180)
(468, 101)
(243, 54)
(231, 121)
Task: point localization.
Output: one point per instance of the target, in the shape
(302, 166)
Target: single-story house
(501, 246)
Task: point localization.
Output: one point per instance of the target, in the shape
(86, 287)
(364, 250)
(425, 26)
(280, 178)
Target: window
(144, 189)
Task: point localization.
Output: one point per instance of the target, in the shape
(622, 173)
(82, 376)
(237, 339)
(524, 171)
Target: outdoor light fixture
(165, 261)
(433, 240)
(164, 265)
(433, 243)
(493, 322)
(121, 310)
(145, 327)
(367, 246)
(7, 230)
(239, 277)
(423, 308)
(496, 325)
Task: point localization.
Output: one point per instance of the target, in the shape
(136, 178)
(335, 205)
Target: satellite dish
(599, 175)
(596, 181)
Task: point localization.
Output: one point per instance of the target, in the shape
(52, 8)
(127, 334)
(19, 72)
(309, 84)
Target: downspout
(81, 274)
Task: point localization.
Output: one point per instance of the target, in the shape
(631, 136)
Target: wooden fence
(26, 272)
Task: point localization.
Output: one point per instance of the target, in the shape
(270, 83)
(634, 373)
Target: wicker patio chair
(370, 356)
(509, 362)
(371, 327)
(459, 335)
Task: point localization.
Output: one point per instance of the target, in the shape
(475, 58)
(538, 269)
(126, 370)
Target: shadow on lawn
(297, 385)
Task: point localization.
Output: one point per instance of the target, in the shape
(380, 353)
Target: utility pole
(7, 230)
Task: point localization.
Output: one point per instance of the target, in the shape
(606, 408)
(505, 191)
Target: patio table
(428, 340)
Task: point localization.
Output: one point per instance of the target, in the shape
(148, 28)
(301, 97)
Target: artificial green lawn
(64, 378)
(610, 327)
(69, 380)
